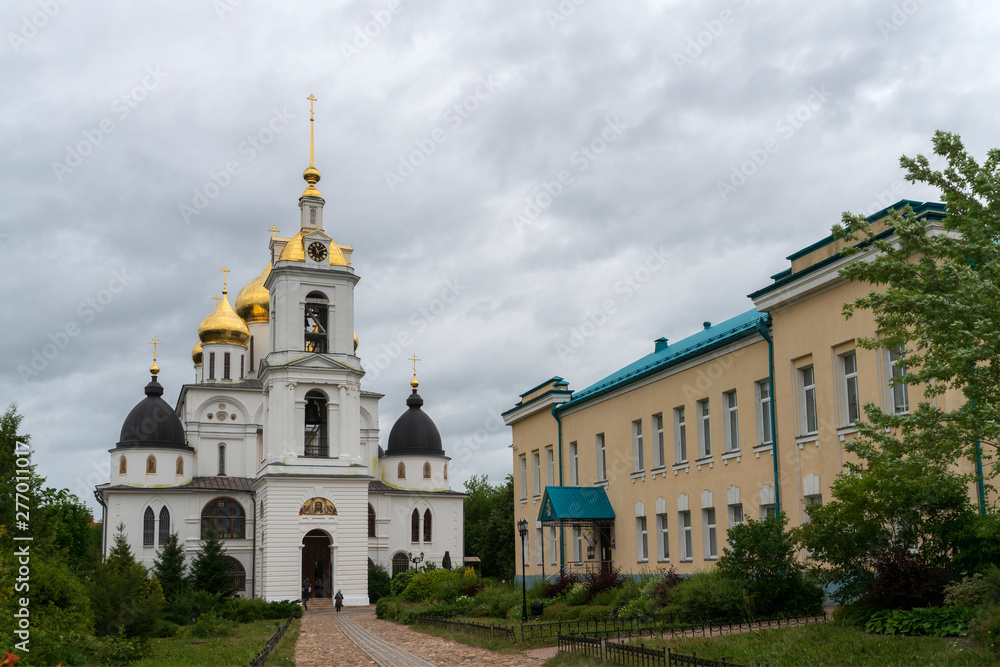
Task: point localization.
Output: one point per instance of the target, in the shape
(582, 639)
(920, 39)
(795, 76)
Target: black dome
(414, 432)
(153, 423)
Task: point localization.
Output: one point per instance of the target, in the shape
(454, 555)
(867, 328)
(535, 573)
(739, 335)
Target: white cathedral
(277, 446)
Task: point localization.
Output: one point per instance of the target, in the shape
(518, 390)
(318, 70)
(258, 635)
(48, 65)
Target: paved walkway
(356, 637)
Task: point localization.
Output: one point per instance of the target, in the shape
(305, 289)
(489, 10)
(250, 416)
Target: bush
(577, 594)
(606, 578)
(165, 629)
(210, 625)
(594, 612)
(628, 591)
(188, 605)
(604, 598)
(387, 608)
(120, 649)
(247, 610)
(710, 596)
(854, 615)
(935, 621)
(439, 584)
(640, 607)
(558, 587)
(985, 629)
(665, 586)
(904, 581)
(499, 600)
(982, 588)
(400, 581)
(379, 583)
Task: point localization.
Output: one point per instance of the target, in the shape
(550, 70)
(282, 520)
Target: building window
(735, 514)
(148, 527)
(807, 400)
(898, 390)
(574, 469)
(577, 545)
(767, 512)
(251, 354)
(637, 462)
(225, 365)
(550, 467)
(764, 412)
(732, 424)
(315, 322)
(237, 575)
(815, 500)
(211, 365)
(122, 465)
(226, 516)
(537, 468)
(317, 443)
(663, 541)
(711, 544)
(539, 546)
(641, 540)
(242, 365)
(150, 465)
(602, 472)
(415, 526)
(680, 436)
(446, 472)
(401, 471)
(371, 520)
(427, 470)
(222, 460)
(850, 408)
(684, 520)
(704, 430)
(524, 477)
(180, 465)
(400, 563)
(427, 526)
(658, 460)
(164, 524)
(553, 554)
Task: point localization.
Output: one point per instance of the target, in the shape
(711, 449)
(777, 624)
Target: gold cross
(154, 343)
(274, 230)
(311, 98)
(225, 276)
(217, 299)
(414, 359)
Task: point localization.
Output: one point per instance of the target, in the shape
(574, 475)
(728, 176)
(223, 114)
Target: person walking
(305, 594)
(339, 599)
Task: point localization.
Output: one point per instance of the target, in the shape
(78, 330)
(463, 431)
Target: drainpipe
(762, 330)
(562, 546)
(253, 552)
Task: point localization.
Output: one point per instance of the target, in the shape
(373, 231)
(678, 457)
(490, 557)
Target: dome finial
(225, 279)
(413, 382)
(311, 174)
(154, 369)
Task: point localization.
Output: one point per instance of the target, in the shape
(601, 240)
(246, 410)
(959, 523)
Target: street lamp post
(417, 560)
(522, 527)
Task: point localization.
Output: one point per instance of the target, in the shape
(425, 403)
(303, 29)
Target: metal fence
(657, 626)
(480, 629)
(636, 656)
(262, 657)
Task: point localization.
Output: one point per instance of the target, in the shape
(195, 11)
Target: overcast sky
(531, 188)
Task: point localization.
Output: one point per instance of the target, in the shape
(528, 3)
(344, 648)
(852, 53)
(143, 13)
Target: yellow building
(650, 466)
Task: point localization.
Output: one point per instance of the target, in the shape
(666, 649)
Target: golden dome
(295, 250)
(196, 354)
(253, 303)
(355, 341)
(223, 325)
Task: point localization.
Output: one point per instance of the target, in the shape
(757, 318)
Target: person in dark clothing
(339, 601)
(305, 594)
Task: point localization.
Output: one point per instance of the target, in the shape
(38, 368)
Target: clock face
(317, 251)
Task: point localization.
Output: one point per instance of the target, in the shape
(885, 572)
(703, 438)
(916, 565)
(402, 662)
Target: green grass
(821, 644)
(236, 649)
(283, 654)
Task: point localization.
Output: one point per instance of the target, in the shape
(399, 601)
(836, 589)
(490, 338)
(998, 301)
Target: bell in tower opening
(315, 324)
(317, 442)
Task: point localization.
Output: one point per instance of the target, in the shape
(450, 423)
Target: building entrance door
(317, 565)
(604, 537)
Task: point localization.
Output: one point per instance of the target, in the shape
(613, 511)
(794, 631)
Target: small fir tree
(210, 568)
(170, 567)
(122, 594)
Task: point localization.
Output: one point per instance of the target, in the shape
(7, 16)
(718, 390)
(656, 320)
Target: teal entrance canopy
(573, 505)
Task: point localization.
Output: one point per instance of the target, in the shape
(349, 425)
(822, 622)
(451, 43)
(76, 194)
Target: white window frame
(896, 367)
(637, 457)
(524, 476)
(767, 511)
(574, 467)
(686, 543)
(765, 430)
(550, 467)
(663, 538)
(680, 436)
(807, 401)
(536, 464)
(577, 545)
(602, 468)
(704, 429)
(658, 453)
(641, 540)
(810, 501)
(554, 556)
(736, 514)
(848, 366)
(732, 421)
(708, 519)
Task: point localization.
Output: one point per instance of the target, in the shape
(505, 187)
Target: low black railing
(480, 629)
(657, 626)
(636, 656)
(262, 657)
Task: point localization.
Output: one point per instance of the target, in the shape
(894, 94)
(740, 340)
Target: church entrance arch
(317, 563)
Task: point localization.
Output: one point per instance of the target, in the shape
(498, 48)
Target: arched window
(251, 354)
(427, 525)
(371, 520)
(164, 525)
(225, 365)
(446, 471)
(211, 365)
(427, 470)
(400, 470)
(180, 465)
(150, 465)
(238, 574)
(148, 527)
(317, 442)
(227, 516)
(400, 563)
(415, 526)
(222, 459)
(315, 324)
(242, 365)
(122, 465)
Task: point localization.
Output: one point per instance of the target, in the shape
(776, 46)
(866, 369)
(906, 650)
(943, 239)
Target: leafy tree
(489, 525)
(11, 473)
(169, 567)
(379, 582)
(210, 568)
(121, 593)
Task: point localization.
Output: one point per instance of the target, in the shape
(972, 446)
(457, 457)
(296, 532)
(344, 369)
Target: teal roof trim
(569, 503)
(556, 380)
(700, 343)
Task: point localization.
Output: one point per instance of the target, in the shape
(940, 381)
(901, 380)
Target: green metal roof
(575, 503)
